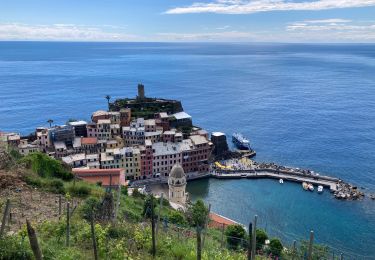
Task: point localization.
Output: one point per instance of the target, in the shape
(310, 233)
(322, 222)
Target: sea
(303, 105)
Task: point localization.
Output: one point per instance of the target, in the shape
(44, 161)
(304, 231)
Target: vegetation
(129, 236)
(275, 247)
(46, 167)
(235, 236)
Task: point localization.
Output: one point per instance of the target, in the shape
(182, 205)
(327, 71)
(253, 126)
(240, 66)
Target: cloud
(248, 7)
(223, 27)
(210, 36)
(334, 20)
(332, 30)
(60, 32)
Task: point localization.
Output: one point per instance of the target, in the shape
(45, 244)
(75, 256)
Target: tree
(235, 234)
(108, 97)
(261, 238)
(275, 247)
(50, 121)
(197, 216)
(147, 206)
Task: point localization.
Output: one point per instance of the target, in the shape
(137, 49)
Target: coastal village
(152, 140)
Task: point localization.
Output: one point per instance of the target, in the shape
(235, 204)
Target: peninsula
(138, 141)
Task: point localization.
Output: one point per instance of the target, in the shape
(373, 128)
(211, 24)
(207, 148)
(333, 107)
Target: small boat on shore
(311, 187)
(305, 186)
(320, 189)
(281, 181)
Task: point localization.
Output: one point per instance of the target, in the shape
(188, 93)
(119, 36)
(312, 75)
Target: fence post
(67, 223)
(33, 241)
(199, 243)
(205, 224)
(254, 238)
(117, 203)
(5, 215)
(60, 206)
(249, 242)
(93, 236)
(222, 234)
(153, 227)
(309, 257)
(159, 215)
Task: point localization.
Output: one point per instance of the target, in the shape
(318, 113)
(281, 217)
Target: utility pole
(309, 257)
(254, 238)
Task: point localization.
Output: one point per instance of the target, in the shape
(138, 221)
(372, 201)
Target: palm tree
(108, 97)
(50, 121)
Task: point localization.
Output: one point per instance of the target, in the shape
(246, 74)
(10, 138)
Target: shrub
(46, 166)
(15, 247)
(165, 202)
(90, 206)
(124, 190)
(147, 206)
(235, 234)
(197, 214)
(177, 217)
(56, 186)
(275, 247)
(33, 181)
(137, 194)
(261, 238)
(79, 189)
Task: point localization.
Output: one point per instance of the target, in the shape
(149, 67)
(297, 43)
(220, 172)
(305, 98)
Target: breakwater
(339, 188)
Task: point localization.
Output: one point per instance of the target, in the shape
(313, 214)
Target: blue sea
(308, 106)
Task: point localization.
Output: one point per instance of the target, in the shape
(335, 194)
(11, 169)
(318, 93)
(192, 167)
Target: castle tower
(177, 185)
(141, 91)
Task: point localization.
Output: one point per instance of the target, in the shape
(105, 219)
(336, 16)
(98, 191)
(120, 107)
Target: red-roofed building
(218, 221)
(89, 145)
(107, 177)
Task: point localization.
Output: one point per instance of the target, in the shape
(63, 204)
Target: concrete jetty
(325, 181)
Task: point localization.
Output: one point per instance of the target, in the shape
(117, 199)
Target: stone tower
(141, 92)
(177, 185)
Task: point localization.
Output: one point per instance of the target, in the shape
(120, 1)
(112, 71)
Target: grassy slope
(128, 238)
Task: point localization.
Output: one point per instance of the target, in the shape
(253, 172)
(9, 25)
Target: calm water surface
(307, 106)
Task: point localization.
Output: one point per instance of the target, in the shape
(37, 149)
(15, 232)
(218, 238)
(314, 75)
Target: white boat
(305, 186)
(281, 181)
(320, 189)
(311, 187)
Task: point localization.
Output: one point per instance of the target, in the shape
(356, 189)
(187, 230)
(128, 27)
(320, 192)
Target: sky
(311, 21)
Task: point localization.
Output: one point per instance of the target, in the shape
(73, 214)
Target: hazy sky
(183, 20)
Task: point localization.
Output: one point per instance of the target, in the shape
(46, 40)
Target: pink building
(146, 160)
(107, 177)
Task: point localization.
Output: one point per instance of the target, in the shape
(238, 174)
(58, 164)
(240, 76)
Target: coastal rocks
(345, 191)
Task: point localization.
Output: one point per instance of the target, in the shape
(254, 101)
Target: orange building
(107, 177)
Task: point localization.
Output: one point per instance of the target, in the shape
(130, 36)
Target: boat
(281, 181)
(305, 186)
(320, 189)
(311, 187)
(241, 142)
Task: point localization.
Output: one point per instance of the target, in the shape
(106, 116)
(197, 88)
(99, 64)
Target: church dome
(177, 172)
